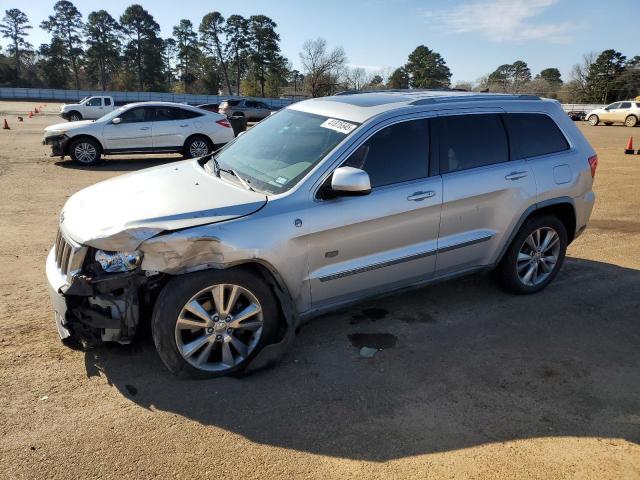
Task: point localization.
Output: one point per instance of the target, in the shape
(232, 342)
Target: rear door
(622, 112)
(484, 193)
(359, 245)
(133, 133)
(171, 127)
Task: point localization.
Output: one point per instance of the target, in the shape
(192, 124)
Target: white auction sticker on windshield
(338, 125)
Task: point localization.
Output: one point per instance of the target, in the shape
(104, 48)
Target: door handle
(184, 126)
(144, 128)
(516, 175)
(419, 196)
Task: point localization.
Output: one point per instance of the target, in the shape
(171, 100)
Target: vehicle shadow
(471, 365)
(122, 164)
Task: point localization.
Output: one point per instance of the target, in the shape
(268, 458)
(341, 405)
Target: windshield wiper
(217, 169)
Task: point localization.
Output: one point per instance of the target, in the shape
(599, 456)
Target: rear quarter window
(534, 134)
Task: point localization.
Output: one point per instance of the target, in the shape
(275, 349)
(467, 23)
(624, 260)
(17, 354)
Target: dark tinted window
(533, 134)
(164, 114)
(107, 101)
(135, 115)
(190, 114)
(469, 141)
(250, 104)
(397, 153)
(94, 102)
(625, 105)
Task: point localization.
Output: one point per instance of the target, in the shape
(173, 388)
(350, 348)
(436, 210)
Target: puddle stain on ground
(379, 341)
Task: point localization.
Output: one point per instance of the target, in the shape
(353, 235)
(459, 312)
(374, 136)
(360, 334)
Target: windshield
(275, 154)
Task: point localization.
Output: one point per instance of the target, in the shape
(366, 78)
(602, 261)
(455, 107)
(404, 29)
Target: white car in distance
(148, 127)
(90, 108)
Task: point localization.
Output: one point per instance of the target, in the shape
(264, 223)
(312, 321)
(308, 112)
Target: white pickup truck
(90, 108)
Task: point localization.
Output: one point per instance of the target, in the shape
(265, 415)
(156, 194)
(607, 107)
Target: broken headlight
(118, 261)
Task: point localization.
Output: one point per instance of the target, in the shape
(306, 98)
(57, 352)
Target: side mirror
(116, 120)
(349, 181)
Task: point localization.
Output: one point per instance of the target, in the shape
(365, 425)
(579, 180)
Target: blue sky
(473, 36)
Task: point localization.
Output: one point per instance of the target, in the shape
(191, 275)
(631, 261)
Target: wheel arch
(562, 207)
(79, 137)
(71, 112)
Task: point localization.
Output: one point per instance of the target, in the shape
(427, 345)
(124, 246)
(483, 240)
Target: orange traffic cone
(6, 125)
(30, 114)
(629, 148)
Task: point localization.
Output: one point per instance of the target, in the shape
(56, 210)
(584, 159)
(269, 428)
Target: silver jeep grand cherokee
(325, 203)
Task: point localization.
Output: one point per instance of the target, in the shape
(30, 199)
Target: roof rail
(399, 90)
(469, 98)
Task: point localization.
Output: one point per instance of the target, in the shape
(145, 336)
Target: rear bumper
(584, 206)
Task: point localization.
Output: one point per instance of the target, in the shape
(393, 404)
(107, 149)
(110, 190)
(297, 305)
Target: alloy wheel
(631, 121)
(219, 327)
(538, 256)
(198, 148)
(85, 152)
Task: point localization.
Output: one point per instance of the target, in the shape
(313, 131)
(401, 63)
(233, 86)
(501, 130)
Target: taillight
(593, 163)
(224, 122)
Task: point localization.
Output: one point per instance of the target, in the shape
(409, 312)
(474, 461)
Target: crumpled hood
(68, 125)
(120, 213)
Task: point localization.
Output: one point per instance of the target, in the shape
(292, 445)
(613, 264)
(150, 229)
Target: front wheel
(75, 117)
(593, 120)
(631, 121)
(212, 323)
(85, 151)
(534, 257)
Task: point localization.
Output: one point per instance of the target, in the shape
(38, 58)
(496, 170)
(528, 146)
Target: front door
(360, 245)
(133, 133)
(483, 192)
(609, 114)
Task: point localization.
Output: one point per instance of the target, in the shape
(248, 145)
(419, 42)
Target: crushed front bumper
(58, 144)
(93, 310)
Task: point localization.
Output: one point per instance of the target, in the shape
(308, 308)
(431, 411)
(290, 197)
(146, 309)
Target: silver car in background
(327, 202)
(252, 110)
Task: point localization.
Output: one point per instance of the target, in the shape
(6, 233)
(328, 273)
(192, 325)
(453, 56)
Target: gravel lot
(479, 384)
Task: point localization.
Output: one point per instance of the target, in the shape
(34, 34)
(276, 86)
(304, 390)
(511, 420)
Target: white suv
(150, 127)
(627, 112)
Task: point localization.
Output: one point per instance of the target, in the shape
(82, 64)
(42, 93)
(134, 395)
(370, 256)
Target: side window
(250, 104)
(470, 141)
(534, 134)
(107, 102)
(94, 102)
(625, 105)
(136, 115)
(262, 105)
(614, 106)
(189, 114)
(166, 114)
(395, 154)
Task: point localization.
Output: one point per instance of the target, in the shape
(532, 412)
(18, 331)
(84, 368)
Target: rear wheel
(534, 257)
(593, 120)
(197, 146)
(631, 121)
(212, 323)
(85, 151)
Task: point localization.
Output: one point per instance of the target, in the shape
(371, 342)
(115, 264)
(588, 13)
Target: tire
(197, 146)
(85, 151)
(205, 359)
(520, 258)
(593, 120)
(75, 116)
(631, 121)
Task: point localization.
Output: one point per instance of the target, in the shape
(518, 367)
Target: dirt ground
(479, 384)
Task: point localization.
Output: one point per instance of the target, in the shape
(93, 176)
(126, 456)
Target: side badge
(297, 222)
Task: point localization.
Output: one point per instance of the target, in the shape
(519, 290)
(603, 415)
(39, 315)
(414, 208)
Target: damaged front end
(58, 144)
(92, 306)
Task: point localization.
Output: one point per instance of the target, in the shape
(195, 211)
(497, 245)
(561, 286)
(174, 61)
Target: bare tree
(356, 78)
(322, 68)
(580, 72)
